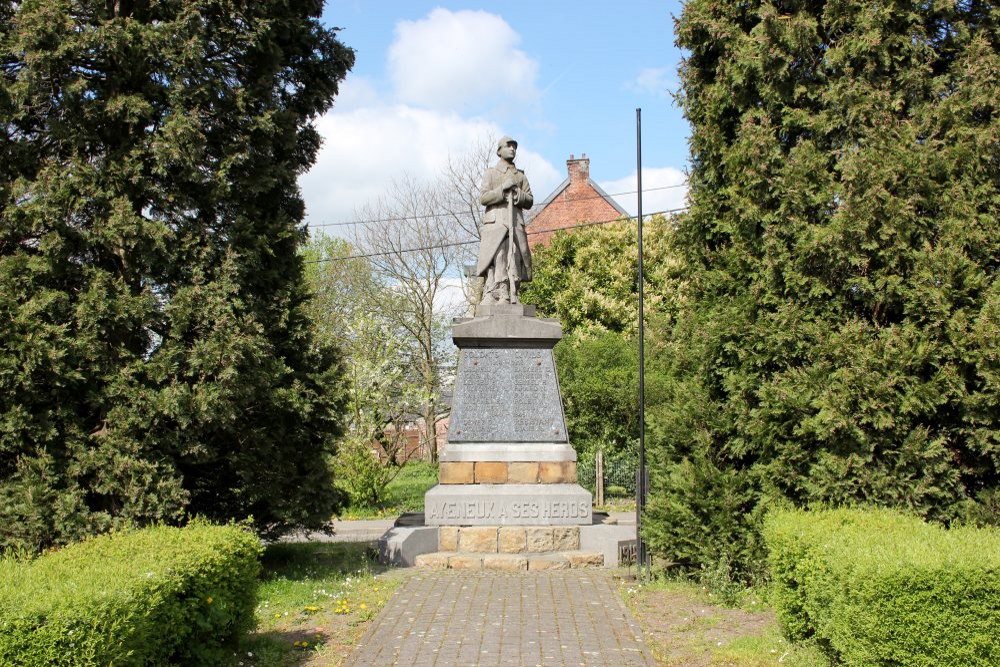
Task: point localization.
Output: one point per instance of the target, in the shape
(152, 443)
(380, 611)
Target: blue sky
(432, 78)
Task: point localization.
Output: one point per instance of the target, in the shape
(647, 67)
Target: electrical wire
(442, 215)
(471, 241)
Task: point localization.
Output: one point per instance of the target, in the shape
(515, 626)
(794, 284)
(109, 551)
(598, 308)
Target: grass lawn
(685, 624)
(315, 602)
(405, 493)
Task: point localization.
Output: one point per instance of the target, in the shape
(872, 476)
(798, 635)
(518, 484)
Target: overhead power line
(471, 241)
(442, 215)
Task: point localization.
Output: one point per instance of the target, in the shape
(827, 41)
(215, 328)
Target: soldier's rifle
(511, 267)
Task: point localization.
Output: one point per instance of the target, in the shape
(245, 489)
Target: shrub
(360, 472)
(153, 596)
(875, 587)
(835, 338)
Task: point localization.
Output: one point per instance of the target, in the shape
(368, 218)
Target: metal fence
(607, 475)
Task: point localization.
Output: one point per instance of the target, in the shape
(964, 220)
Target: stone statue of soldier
(504, 257)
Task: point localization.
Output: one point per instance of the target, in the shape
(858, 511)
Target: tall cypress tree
(155, 356)
(841, 342)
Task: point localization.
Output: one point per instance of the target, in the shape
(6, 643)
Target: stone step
(556, 560)
(508, 539)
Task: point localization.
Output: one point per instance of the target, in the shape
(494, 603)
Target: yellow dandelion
(208, 600)
(363, 605)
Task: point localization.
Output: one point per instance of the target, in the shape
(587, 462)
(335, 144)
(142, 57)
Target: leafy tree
(599, 379)
(587, 277)
(354, 308)
(839, 341)
(414, 254)
(156, 359)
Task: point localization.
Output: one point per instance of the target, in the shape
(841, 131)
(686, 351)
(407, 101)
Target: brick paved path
(464, 618)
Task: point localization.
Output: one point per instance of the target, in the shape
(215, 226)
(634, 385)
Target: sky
(432, 79)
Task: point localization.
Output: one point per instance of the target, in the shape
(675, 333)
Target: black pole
(640, 487)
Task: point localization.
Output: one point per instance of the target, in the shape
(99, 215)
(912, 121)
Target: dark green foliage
(157, 596)
(840, 337)
(875, 587)
(588, 279)
(155, 354)
(599, 378)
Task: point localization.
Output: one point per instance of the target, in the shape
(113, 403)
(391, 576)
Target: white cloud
(461, 60)
(653, 81)
(664, 189)
(354, 93)
(365, 149)
(440, 66)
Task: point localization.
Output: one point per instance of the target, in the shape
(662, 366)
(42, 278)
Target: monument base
(508, 451)
(507, 504)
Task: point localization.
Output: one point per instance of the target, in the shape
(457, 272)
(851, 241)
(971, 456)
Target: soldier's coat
(496, 223)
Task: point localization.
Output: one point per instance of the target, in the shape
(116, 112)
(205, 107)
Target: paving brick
(489, 617)
(478, 539)
(491, 472)
(456, 472)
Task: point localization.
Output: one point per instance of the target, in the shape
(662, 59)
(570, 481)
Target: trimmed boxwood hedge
(875, 587)
(154, 596)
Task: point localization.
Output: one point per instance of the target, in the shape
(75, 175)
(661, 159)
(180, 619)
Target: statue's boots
(500, 293)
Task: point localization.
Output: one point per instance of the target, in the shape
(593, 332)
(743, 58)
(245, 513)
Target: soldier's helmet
(504, 141)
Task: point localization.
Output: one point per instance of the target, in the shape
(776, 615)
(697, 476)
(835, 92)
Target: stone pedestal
(508, 460)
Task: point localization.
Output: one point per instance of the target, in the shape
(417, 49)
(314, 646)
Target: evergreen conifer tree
(155, 356)
(840, 341)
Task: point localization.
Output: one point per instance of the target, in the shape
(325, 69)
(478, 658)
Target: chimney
(579, 169)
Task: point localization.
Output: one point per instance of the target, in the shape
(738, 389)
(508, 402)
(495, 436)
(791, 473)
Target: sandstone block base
(508, 562)
(508, 539)
(433, 561)
(507, 472)
(478, 539)
(511, 562)
(457, 472)
(549, 563)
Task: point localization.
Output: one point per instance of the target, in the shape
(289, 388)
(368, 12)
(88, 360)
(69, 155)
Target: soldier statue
(504, 256)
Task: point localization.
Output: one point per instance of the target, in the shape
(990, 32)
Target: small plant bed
(404, 493)
(315, 602)
(686, 624)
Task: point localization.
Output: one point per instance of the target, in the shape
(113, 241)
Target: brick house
(576, 200)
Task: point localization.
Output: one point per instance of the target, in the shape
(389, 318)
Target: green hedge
(875, 587)
(155, 596)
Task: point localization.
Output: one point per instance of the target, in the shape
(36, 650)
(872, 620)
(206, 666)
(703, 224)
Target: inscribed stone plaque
(506, 395)
(507, 504)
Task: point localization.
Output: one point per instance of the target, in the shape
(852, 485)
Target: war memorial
(507, 495)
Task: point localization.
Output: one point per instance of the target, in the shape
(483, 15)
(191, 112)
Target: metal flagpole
(640, 487)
